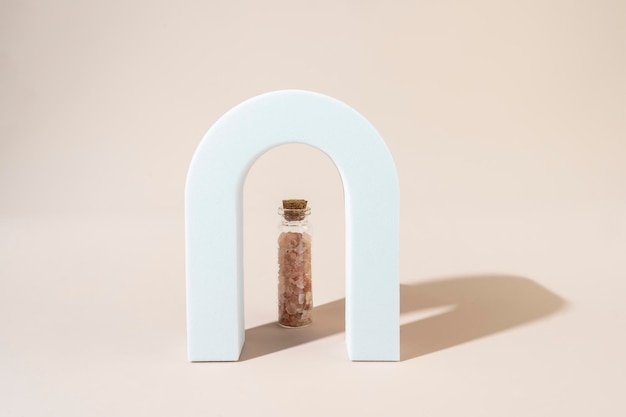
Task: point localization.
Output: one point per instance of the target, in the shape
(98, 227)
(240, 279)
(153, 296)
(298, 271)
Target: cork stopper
(295, 209)
(295, 204)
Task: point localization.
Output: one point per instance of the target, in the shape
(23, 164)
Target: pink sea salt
(295, 300)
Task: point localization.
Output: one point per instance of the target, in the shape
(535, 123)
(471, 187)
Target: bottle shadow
(480, 306)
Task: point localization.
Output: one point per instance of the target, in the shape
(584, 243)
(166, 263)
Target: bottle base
(285, 326)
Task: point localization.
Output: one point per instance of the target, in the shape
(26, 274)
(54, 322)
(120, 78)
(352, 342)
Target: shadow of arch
(483, 305)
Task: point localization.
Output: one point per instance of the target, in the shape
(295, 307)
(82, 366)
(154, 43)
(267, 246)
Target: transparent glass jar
(295, 296)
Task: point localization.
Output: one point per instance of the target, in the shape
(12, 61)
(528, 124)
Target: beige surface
(507, 122)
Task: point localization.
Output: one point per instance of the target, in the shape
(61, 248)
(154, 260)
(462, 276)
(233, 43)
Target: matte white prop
(214, 220)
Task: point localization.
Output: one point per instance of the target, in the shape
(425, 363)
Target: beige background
(507, 122)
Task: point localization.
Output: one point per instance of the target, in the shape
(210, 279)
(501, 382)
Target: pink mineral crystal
(295, 300)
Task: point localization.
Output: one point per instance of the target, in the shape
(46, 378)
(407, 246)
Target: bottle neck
(294, 215)
(294, 223)
(292, 219)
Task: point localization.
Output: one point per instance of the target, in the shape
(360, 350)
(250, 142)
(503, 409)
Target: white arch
(214, 220)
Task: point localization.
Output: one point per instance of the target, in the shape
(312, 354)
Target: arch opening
(286, 171)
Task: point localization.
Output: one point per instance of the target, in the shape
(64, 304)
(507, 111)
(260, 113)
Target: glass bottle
(295, 297)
